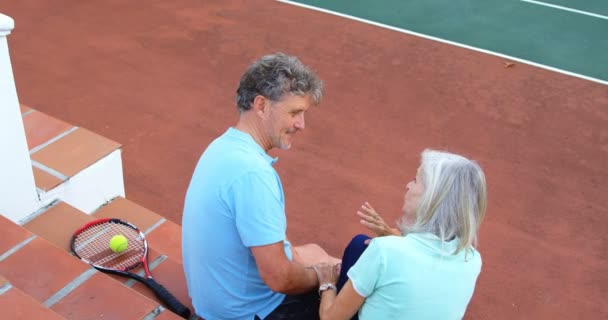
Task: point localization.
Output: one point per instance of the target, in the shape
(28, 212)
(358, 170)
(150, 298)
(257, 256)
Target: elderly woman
(427, 268)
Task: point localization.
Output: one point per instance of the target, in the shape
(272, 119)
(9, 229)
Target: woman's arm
(373, 221)
(341, 306)
(334, 305)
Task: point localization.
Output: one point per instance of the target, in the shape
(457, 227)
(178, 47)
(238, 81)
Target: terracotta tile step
(73, 152)
(40, 127)
(163, 236)
(12, 234)
(56, 280)
(60, 150)
(40, 269)
(15, 304)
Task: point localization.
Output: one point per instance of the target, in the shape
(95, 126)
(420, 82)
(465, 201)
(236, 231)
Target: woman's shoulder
(408, 239)
(393, 243)
(426, 244)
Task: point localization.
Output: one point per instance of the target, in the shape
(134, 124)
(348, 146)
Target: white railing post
(18, 196)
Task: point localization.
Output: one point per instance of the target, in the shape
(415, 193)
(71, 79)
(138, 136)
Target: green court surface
(568, 35)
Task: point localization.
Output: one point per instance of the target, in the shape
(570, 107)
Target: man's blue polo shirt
(235, 201)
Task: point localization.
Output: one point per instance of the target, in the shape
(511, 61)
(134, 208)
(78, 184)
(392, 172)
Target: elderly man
(237, 259)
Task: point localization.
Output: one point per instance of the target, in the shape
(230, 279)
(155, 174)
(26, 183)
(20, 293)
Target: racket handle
(170, 301)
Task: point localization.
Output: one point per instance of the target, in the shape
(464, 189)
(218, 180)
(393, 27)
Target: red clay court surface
(160, 79)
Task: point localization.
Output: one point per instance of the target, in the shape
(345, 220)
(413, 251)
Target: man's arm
(280, 274)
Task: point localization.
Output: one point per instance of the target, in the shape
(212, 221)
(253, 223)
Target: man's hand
(327, 273)
(373, 221)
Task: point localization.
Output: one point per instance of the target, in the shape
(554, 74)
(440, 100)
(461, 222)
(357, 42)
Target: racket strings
(93, 245)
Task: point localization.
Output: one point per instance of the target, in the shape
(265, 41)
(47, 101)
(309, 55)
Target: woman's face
(413, 191)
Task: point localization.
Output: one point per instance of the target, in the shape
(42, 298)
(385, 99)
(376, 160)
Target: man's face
(285, 118)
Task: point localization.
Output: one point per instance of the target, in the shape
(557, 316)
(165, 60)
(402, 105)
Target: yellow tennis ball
(119, 243)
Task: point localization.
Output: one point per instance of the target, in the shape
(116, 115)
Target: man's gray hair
(275, 75)
(454, 200)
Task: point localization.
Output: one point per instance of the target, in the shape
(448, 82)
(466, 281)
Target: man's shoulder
(232, 144)
(226, 152)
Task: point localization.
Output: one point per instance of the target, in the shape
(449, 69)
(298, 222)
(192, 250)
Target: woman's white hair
(454, 200)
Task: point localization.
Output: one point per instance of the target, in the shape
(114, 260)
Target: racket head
(90, 243)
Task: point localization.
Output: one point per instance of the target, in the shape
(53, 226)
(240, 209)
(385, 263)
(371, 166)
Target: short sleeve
(259, 209)
(366, 272)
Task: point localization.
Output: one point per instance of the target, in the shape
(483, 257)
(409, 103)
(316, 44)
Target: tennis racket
(91, 244)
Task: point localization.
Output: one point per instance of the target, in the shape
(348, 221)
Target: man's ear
(259, 105)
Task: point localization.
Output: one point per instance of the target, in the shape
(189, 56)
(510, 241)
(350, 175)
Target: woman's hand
(373, 221)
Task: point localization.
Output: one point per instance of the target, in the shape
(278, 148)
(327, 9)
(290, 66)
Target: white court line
(591, 14)
(457, 44)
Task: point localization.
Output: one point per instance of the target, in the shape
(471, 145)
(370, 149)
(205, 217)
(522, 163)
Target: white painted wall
(18, 196)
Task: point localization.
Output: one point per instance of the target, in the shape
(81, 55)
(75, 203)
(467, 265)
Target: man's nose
(300, 122)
